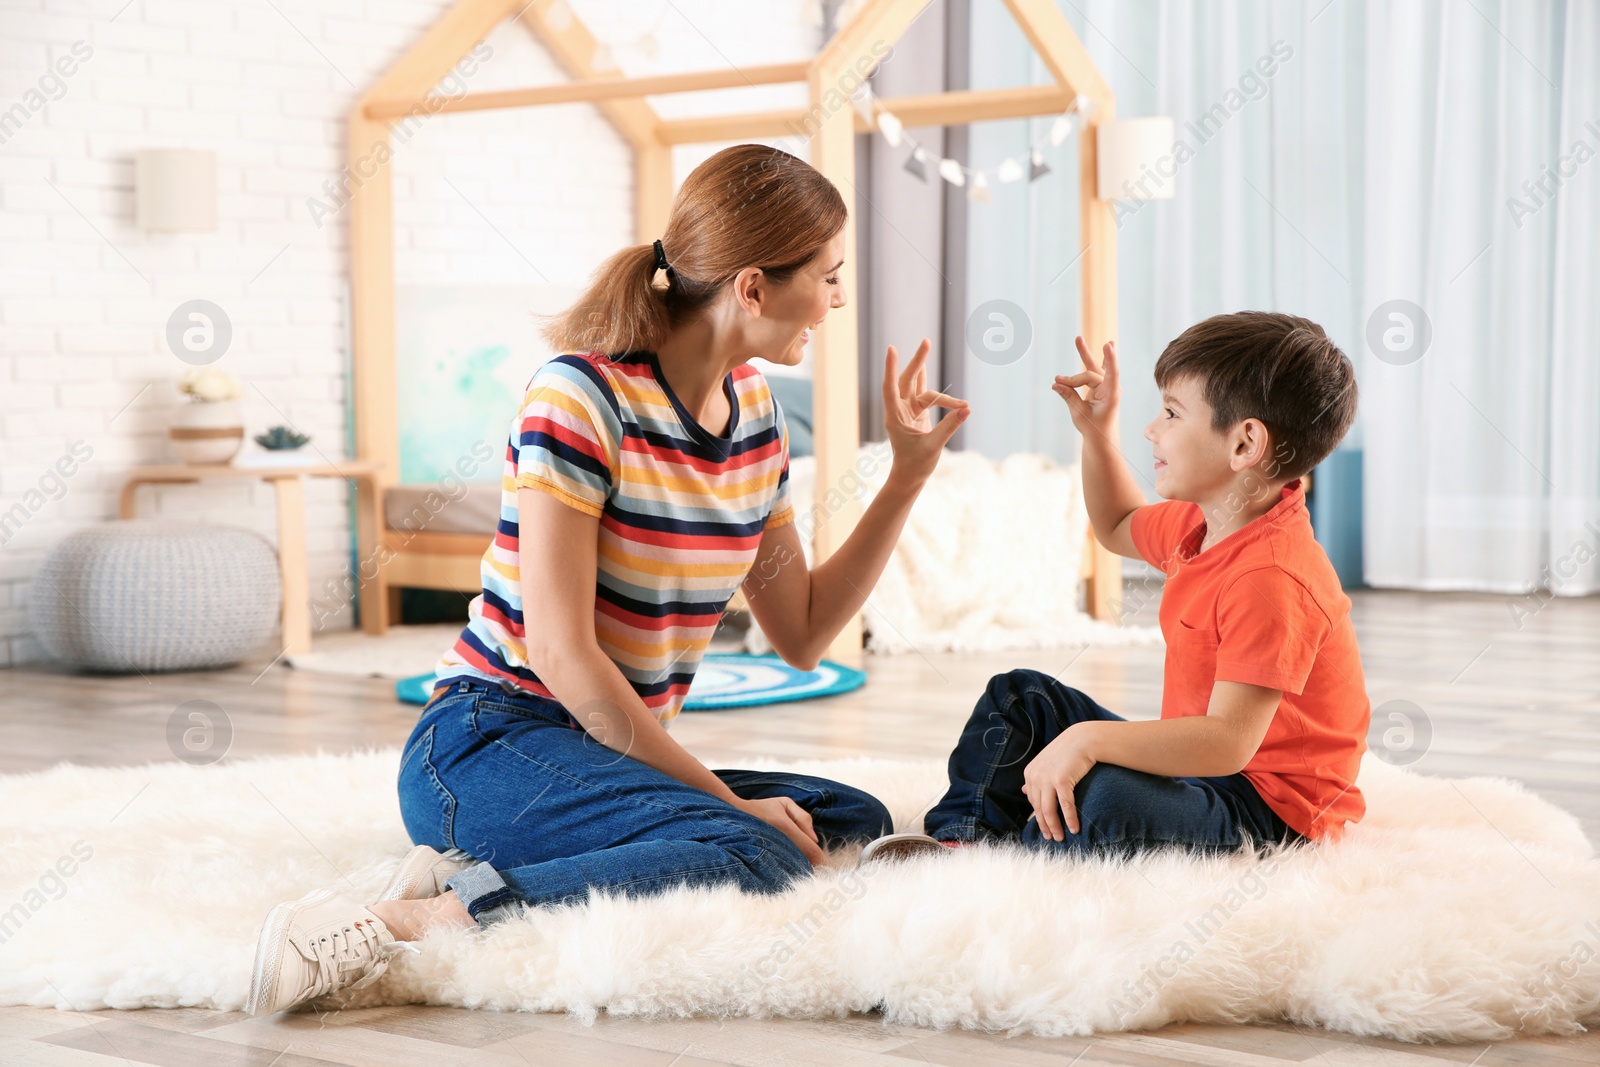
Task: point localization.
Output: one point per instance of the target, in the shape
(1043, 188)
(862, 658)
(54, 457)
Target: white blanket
(988, 560)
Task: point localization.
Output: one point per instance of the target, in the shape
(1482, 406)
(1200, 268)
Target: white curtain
(1573, 545)
(1344, 155)
(1481, 454)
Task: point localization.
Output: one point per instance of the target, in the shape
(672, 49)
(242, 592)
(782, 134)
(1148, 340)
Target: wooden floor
(1499, 699)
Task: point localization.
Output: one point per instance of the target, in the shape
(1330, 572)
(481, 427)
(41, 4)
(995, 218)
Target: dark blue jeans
(1119, 810)
(551, 813)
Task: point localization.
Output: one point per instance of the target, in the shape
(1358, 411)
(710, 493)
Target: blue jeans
(551, 813)
(1119, 810)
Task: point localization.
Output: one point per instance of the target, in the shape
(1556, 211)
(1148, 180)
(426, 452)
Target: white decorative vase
(207, 431)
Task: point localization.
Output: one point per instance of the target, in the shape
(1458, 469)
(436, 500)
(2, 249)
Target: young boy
(1264, 709)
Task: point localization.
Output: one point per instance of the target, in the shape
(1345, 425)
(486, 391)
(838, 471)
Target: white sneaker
(322, 943)
(904, 846)
(423, 872)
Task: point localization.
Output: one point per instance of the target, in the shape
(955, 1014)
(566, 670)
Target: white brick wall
(84, 296)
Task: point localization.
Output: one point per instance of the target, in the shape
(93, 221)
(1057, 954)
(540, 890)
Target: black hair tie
(661, 257)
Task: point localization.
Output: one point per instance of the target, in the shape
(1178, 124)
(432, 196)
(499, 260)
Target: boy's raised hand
(1095, 408)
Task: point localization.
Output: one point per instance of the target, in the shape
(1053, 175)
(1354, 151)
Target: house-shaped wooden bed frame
(391, 559)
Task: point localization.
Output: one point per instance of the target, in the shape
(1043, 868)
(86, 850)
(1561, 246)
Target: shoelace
(353, 951)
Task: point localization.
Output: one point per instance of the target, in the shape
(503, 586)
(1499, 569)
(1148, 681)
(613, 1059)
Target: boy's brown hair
(1281, 369)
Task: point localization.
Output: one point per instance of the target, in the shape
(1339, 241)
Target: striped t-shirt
(681, 516)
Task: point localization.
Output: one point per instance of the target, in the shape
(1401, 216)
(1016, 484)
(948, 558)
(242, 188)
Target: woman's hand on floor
(908, 406)
(789, 817)
(1049, 781)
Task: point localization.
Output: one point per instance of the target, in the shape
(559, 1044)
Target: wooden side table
(291, 501)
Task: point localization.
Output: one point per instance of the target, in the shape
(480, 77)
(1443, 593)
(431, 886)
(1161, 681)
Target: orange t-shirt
(1263, 606)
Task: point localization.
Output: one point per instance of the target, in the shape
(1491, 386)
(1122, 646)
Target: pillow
(794, 397)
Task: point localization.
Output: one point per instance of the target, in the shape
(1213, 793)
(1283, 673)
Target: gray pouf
(156, 596)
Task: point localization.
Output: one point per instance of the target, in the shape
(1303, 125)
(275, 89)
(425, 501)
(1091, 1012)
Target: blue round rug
(738, 681)
(724, 680)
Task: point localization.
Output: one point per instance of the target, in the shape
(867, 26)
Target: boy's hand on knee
(1049, 779)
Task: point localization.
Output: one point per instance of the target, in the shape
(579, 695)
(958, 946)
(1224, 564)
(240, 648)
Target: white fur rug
(1458, 910)
(988, 560)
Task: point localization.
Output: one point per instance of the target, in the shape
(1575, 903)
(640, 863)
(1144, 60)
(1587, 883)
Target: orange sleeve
(1158, 529)
(1269, 629)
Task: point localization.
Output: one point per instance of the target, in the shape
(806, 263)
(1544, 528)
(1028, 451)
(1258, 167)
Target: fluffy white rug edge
(1429, 923)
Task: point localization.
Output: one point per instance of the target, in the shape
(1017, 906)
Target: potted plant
(281, 446)
(209, 427)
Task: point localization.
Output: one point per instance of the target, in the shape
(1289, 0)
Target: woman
(646, 479)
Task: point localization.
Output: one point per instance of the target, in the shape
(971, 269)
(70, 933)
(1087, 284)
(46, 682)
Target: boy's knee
(1108, 791)
(1017, 680)
(1068, 704)
(1106, 798)
(1006, 689)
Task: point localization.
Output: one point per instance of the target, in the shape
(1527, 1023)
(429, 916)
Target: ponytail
(622, 311)
(749, 205)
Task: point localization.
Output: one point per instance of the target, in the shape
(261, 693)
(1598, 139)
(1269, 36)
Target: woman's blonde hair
(746, 206)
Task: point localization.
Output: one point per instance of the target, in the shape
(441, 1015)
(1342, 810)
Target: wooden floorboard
(1503, 698)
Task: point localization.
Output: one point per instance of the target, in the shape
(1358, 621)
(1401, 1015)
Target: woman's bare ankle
(408, 920)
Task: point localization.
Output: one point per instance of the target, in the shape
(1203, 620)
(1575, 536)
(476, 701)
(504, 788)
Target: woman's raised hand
(908, 404)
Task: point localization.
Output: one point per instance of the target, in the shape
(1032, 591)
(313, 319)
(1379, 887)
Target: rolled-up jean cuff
(481, 889)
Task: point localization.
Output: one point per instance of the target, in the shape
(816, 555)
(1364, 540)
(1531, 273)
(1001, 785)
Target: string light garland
(604, 58)
(1030, 164)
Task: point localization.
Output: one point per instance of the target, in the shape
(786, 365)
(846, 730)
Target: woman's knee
(853, 816)
(840, 813)
(768, 861)
(875, 818)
